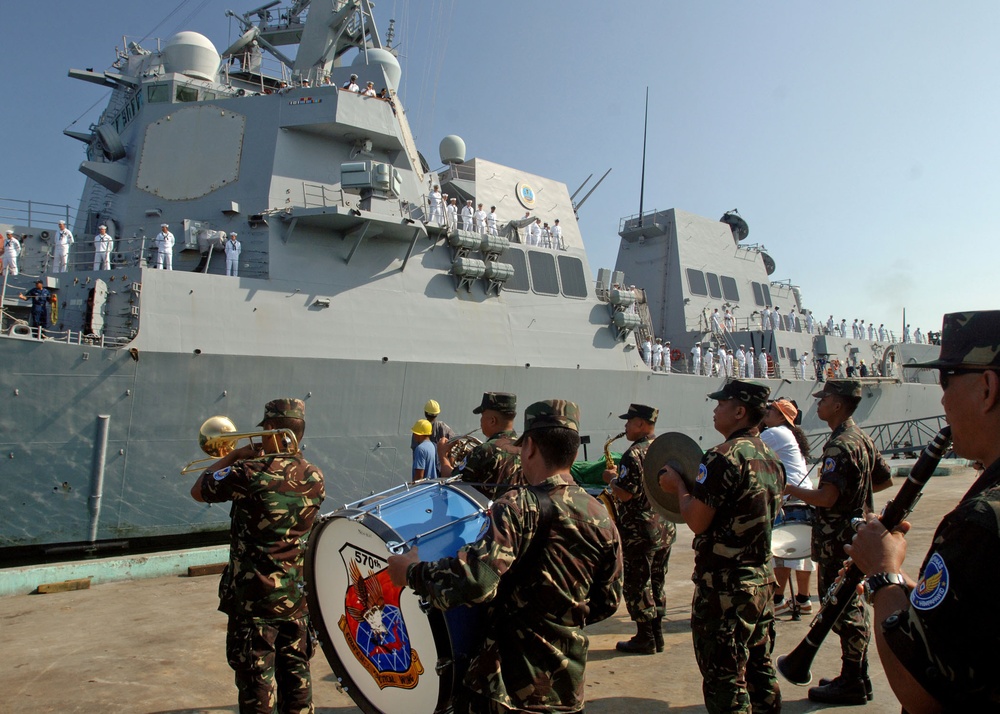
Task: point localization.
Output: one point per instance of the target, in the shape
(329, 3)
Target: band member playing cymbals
(549, 564)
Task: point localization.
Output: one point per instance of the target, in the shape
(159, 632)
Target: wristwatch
(877, 581)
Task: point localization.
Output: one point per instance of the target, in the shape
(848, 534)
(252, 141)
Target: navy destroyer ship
(351, 292)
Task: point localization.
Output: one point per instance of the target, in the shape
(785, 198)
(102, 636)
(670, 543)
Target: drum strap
(527, 563)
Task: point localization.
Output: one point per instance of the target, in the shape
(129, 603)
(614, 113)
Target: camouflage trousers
(645, 555)
(733, 632)
(271, 662)
(854, 625)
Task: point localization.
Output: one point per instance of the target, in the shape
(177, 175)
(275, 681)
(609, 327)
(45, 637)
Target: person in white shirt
(491, 222)
(164, 243)
(762, 364)
(918, 336)
(810, 322)
(480, 220)
(535, 232)
(369, 90)
(436, 205)
(557, 239)
(668, 360)
(647, 352)
(829, 325)
(906, 333)
(696, 358)
(103, 245)
(11, 250)
(741, 362)
(728, 321)
(64, 239)
(657, 354)
(777, 323)
(452, 212)
(883, 335)
(467, 216)
(843, 327)
(871, 331)
(803, 365)
(716, 321)
(728, 357)
(352, 84)
(751, 363)
(233, 250)
(790, 445)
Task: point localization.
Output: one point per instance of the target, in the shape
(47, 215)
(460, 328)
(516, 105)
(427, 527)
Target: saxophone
(607, 497)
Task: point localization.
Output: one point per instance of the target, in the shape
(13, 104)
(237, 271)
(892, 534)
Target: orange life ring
(675, 355)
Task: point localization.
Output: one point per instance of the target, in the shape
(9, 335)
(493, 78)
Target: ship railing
(635, 220)
(318, 195)
(18, 212)
(463, 172)
(19, 329)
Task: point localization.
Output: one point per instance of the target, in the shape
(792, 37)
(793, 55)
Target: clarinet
(795, 665)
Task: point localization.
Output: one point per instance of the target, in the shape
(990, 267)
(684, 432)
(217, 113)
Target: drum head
(792, 540)
(384, 648)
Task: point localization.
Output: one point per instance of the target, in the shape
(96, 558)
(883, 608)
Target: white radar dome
(191, 54)
(452, 150)
(386, 60)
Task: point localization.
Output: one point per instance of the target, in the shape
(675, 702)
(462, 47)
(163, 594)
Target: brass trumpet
(217, 437)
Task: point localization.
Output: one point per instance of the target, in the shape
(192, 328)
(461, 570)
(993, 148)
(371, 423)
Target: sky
(859, 140)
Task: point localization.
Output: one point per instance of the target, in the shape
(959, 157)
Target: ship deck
(158, 644)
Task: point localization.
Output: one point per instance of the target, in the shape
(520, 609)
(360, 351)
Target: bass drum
(388, 652)
(791, 537)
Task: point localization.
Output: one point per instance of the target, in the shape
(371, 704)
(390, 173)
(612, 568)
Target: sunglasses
(947, 374)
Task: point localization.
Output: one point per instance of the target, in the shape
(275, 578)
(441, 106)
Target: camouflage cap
(968, 339)
(548, 414)
(840, 388)
(497, 401)
(752, 393)
(641, 411)
(284, 409)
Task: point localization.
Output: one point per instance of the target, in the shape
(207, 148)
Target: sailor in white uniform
(728, 321)
(918, 336)
(803, 365)
(491, 222)
(647, 352)
(452, 211)
(467, 216)
(11, 250)
(871, 331)
(810, 322)
(883, 335)
(741, 361)
(352, 84)
(751, 363)
(762, 364)
(708, 362)
(777, 323)
(436, 206)
(535, 232)
(64, 239)
(557, 239)
(480, 218)
(716, 321)
(696, 358)
(103, 245)
(843, 327)
(829, 325)
(668, 360)
(906, 333)
(233, 250)
(164, 243)
(728, 357)
(657, 355)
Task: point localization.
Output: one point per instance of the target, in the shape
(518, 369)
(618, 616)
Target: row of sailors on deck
(104, 246)
(444, 211)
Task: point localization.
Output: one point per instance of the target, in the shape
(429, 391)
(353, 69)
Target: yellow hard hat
(422, 428)
(432, 407)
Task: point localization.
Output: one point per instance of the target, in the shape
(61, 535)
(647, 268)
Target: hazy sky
(859, 140)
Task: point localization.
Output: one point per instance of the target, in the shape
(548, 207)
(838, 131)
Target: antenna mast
(642, 183)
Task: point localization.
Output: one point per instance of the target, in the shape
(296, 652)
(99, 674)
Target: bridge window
(574, 284)
(543, 272)
(186, 94)
(519, 280)
(158, 93)
(696, 282)
(729, 289)
(713, 285)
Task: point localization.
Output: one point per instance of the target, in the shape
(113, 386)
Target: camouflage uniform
(268, 643)
(853, 465)
(646, 540)
(489, 463)
(949, 638)
(535, 651)
(732, 613)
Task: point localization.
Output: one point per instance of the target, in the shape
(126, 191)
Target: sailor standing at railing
(491, 222)
(451, 211)
(233, 250)
(436, 205)
(103, 245)
(11, 249)
(467, 216)
(557, 240)
(480, 217)
(164, 243)
(64, 239)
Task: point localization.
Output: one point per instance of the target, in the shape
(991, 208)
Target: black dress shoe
(869, 692)
(840, 691)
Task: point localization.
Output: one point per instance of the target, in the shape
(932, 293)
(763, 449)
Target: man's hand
(609, 474)
(399, 564)
(876, 550)
(670, 480)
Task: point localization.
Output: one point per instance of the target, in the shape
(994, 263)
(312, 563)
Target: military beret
(284, 409)
(752, 393)
(641, 411)
(497, 401)
(548, 414)
(840, 388)
(968, 339)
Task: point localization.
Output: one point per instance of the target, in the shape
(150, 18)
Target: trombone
(217, 437)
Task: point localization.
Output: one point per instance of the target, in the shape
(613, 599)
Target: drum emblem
(373, 624)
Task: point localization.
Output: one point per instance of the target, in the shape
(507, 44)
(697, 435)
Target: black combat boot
(642, 643)
(853, 686)
(658, 633)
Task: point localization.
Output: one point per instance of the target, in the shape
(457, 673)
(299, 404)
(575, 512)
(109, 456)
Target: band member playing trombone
(730, 507)
(938, 637)
(276, 496)
(646, 536)
(851, 469)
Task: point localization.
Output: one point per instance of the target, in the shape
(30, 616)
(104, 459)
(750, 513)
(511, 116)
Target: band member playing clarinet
(850, 470)
(549, 564)
(939, 637)
(275, 500)
(730, 507)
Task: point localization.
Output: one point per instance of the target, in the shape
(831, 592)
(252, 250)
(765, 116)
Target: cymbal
(681, 453)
